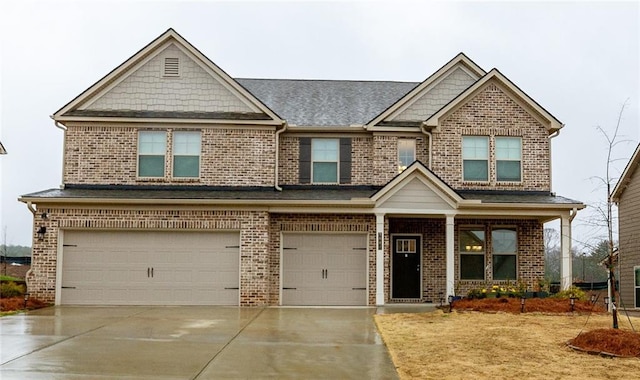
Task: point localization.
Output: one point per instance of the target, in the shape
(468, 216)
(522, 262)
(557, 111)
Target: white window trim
(166, 145)
(401, 167)
(337, 181)
(496, 160)
(173, 155)
(483, 252)
(471, 181)
(516, 253)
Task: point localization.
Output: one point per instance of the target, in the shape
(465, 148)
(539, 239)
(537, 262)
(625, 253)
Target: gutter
(423, 129)
(276, 174)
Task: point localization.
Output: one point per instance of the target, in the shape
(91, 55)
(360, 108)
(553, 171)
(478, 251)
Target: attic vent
(171, 67)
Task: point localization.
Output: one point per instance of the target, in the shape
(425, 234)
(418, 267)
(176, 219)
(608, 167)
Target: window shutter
(345, 160)
(304, 160)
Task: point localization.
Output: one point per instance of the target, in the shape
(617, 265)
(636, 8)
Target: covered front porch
(433, 242)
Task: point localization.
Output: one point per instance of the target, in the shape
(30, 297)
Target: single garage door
(324, 269)
(150, 268)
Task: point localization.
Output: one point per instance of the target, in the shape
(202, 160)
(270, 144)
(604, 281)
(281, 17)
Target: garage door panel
(324, 269)
(150, 268)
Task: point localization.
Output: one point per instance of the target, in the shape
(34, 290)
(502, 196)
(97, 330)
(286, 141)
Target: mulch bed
(540, 305)
(17, 303)
(606, 342)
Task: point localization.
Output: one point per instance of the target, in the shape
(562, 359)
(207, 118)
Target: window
(406, 153)
(504, 242)
(508, 158)
(475, 158)
(152, 147)
(472, 250)
(637, 283)
(324, 158)
(186, 154)
(406, 245)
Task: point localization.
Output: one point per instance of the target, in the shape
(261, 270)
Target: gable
(505, 86)
(629, 178)
(416, 195)
(192, 90)
(430, 95)
(167, 79)
(435, 97)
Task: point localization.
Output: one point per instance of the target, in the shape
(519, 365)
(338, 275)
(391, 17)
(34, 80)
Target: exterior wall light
(522, 300)
(41, 231)
(572, 301)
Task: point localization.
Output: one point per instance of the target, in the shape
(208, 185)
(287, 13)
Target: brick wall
(492, 113)
(230, 157)
(253, 227)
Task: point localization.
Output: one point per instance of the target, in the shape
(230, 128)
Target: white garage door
(324, 269)
(150, 268)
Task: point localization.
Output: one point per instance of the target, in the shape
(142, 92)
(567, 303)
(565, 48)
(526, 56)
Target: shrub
(573, 291)
(11, 289)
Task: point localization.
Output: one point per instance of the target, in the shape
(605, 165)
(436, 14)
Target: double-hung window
(475, 158)
(325, 157)
(406, 153)
(505, 245)
(152, 147)
(472, 253)
(508, 159)
(186, 154)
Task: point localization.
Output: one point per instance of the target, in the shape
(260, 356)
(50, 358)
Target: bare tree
(606, 209)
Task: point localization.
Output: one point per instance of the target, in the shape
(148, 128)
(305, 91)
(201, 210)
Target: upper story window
(475, 158)
(508, 159)
(406, 153)
(152, 148)
(325, 158)
(186, 154)
(472, 253)
(505, 246)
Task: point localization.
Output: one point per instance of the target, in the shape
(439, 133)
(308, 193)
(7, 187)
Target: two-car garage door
(324, 269)
(150, 268)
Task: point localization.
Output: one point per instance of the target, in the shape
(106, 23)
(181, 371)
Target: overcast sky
(579, 60)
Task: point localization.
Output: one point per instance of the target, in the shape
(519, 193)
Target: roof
(326, 102)
(623, 182)
(176, 194)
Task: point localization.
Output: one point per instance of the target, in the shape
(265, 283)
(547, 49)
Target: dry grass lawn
(474, 345)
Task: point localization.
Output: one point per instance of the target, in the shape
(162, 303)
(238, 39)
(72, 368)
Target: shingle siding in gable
(194, 90)
(441, 94)
(629, 237)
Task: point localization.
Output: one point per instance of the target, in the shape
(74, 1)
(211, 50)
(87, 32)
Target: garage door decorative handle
(289, 288)
(358, 288)
(68, 287)
(232, 288)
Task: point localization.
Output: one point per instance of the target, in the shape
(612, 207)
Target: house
(183, 185)
(626, 195)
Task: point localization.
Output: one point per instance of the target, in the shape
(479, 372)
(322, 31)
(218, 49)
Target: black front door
(406, 267)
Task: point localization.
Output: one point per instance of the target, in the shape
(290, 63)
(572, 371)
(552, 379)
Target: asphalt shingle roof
(326, 102)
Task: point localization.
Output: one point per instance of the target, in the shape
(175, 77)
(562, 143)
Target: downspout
(28, 274)
(423, 129)
(554, 134)
(278, 132)
(64, 146)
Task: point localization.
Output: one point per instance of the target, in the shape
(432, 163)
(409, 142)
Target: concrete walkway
(193, 343)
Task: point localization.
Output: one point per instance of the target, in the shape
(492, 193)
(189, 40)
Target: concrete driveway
(193, 343)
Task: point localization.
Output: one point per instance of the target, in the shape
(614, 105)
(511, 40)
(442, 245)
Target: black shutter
(304, 160)
(345, 160)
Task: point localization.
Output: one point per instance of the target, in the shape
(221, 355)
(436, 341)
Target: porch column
(566, 271)
(450, 272)
(379, 259)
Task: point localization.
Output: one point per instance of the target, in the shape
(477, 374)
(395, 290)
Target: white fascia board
(84, 119)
